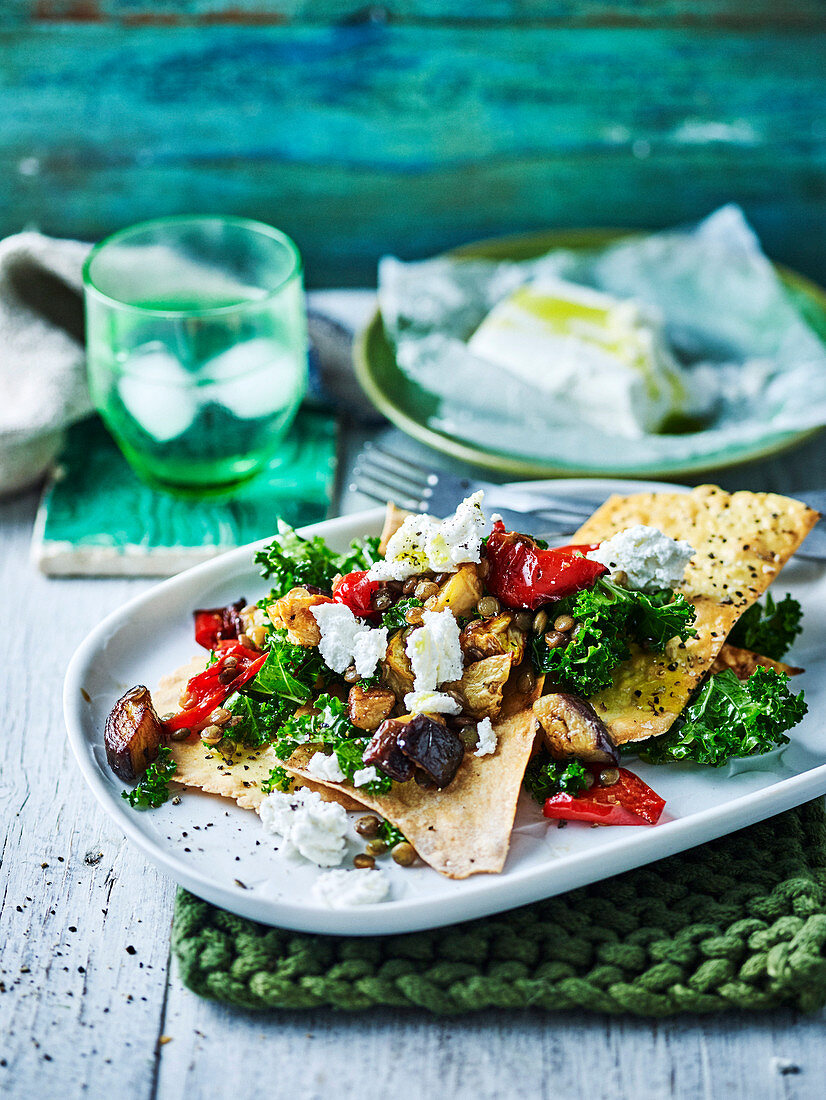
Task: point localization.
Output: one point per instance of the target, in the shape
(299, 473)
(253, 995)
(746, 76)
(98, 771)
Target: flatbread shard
(208, 771)
(742, 541)
(743, 662)
(464, 829)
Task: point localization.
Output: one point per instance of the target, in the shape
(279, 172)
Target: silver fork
(384, 475)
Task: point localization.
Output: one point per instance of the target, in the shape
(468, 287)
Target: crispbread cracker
(239, 779)
(743, 662)
(464, 829)
(742, 541)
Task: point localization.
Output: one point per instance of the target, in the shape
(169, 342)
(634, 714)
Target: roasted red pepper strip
(207, 692)
(629, 801)
(356, 590)
(218, 624)
(523, 575)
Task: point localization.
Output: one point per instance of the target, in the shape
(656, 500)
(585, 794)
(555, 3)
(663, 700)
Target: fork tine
(371, 465)
(389, 479)
(408, 463)
(378, 489)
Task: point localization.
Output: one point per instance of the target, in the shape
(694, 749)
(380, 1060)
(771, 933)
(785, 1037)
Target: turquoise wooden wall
(413, 126)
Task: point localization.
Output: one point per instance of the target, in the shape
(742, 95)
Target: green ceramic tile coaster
(97, 519)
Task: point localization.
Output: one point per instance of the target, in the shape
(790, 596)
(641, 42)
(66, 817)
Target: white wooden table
(91, 1004)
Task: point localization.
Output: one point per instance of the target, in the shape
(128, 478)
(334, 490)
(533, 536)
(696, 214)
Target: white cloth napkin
(42, 362)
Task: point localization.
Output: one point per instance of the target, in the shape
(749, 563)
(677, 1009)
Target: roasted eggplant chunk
(492, 637)
(461, 592)
(384, 752)
(396, 669)
(571, 727)
(437, 750)
(133, 734)
(368, 707)
(416, 746)
(482, 684)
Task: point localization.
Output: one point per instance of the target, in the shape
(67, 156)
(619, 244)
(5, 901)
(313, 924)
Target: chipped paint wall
(411, 127)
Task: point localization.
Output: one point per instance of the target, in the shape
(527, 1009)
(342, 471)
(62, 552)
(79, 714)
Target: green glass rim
(262, 228)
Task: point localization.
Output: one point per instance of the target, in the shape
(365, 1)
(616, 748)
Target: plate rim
(505, 462)
(489, 894)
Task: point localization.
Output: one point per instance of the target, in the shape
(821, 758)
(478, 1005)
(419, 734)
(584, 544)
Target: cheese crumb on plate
(341, 889)
(307, 826)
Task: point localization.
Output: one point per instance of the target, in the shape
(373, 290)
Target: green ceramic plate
(410, 407)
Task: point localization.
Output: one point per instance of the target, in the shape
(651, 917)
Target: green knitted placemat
(739, 923)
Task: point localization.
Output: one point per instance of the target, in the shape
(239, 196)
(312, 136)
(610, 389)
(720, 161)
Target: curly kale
(286, 681)
(608, 619)
(769, 630)
(291, 561)
(545, 777)
(153, 787)
(290, 672)
(732, 718)
(330, 726)
(257, 721)
(279, 779)
(394, 617)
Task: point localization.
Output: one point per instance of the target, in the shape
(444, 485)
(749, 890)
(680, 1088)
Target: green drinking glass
(196, 336)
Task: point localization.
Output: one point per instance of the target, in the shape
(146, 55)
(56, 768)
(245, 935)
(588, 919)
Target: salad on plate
(425, 678)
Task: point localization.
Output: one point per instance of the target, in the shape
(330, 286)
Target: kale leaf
(287, 680)
(394, 617)
(291, 561)
(331, 727)
(257, 721)
(545, 777)
(731, 718)
(769, 630)
(290, 671)
(608, 618)
(153, 787)
(279, 779)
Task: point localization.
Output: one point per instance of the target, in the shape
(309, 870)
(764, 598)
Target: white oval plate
(220, 852)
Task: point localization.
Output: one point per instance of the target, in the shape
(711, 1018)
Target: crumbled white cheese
(339, 629)
(307, 826)
(368, 649)
(486, 737)
(648, 558)
(423, 544)
(431, 702)
(325, 768)
(435, 651)
(341, 889)
(363, 776)
(345, 639)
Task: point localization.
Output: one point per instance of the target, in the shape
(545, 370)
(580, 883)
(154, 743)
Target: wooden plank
(85, 919)
(487, 1056)
(369, 138)
(580, 13)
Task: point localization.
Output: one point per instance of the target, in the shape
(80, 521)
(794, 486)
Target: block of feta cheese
(603, 358)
